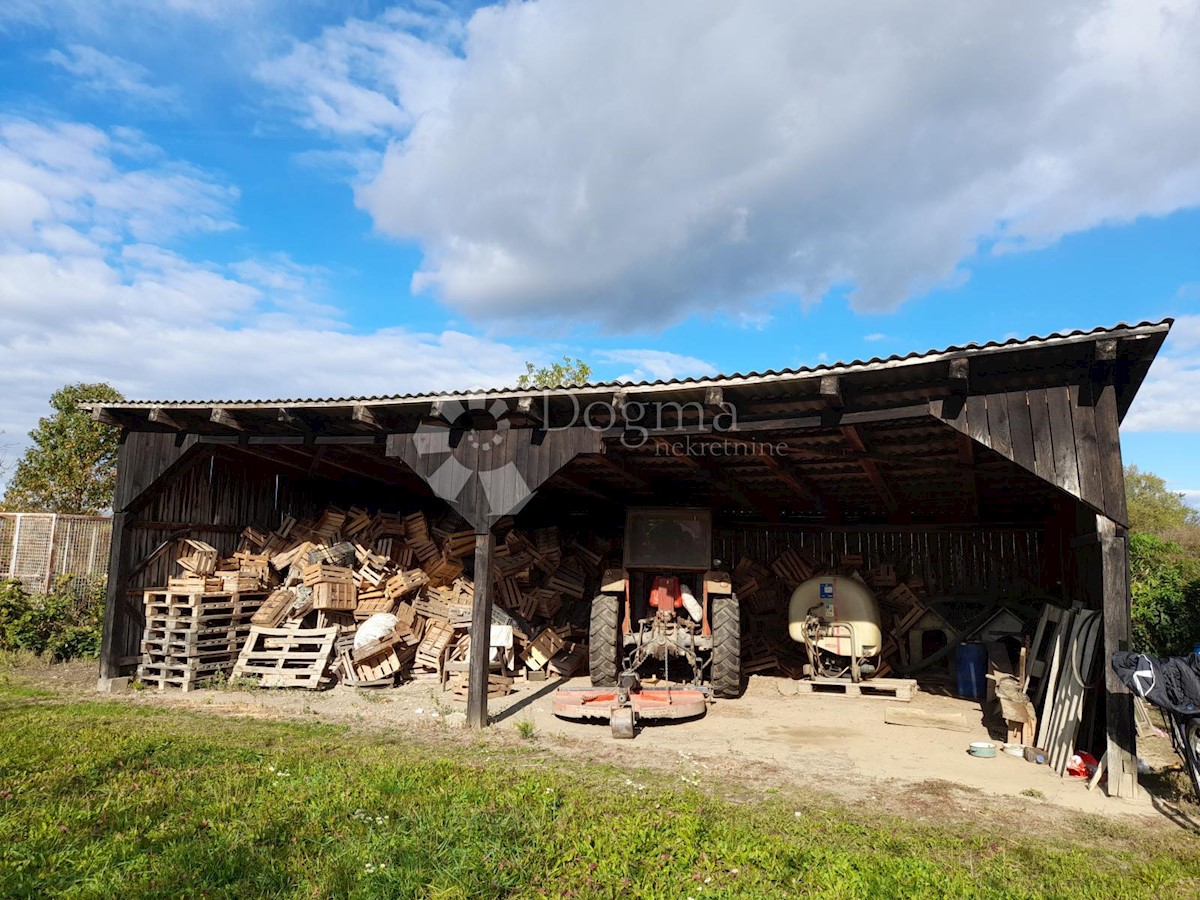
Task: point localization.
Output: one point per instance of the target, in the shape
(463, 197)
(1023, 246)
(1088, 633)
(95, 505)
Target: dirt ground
(771, 738)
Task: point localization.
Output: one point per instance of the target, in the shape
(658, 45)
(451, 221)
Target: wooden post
(1122, 734)
(115, 613)
(481, 630)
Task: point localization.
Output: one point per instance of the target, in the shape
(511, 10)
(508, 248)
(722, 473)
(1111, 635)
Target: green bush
(56, 624)
(1165, 584)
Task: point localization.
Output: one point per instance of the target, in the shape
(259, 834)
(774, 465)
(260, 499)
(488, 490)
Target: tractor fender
(717, 583)
(614, 581)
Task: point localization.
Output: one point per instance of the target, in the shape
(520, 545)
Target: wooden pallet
(285, 657)
(888, 688)
(187, 676)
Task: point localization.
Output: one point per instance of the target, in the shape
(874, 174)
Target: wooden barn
(979, 471)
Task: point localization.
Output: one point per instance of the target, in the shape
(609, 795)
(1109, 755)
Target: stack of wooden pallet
(193, 635)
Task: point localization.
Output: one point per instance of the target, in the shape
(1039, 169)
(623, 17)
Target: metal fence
(38, 549)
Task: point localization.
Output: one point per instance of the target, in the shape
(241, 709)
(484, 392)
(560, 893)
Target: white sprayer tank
(838, 598)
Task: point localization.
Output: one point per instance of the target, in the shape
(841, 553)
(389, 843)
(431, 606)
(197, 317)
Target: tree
(1153, 508)
(559, 374)
(72, 465)
(1165, 584)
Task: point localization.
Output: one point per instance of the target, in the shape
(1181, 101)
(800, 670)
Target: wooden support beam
(439, 408)
(159, 416)
(363, 415)
(960, 375)
(102, 415)
(619, 399)
(802, 485)
(831, 391)
(966, 458)
(527, 409)
(871, 469)
(291, 419)
(714, 400)
(721, 480)
(225, 417)
(481, 628)
(115, 611)
(1118, 707)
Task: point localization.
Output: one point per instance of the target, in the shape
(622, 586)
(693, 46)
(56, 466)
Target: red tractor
(667, 606)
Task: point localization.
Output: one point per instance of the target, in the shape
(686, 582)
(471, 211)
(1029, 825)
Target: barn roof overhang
(1123, 352)
(920, 438)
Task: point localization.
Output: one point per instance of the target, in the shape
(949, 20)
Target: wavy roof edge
(1144, 328)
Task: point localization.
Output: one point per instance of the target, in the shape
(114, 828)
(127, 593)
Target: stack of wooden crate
(191, 636)
(345, 566)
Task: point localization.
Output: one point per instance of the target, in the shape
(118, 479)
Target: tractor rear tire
(603, 635)
(726, 666)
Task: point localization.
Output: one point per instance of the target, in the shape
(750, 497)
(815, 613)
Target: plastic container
(971, 671)
(982, 749)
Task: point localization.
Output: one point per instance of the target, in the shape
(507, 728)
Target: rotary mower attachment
(629, 702)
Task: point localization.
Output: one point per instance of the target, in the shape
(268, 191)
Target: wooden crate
(274, 609)
(793, 567)
(432, 649)
(498, 686)
(542, 649)
(334, 596)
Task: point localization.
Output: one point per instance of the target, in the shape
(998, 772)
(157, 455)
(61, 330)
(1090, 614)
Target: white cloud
(369, 78)
(67, 174)
(633, 163)
(655, 365)
(86, 294)
(875, 337)
(1169, 399)
(102, 75)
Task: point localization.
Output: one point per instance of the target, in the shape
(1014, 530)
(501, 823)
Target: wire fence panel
(38, 549)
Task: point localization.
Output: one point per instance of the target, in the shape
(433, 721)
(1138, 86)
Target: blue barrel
(971, 674)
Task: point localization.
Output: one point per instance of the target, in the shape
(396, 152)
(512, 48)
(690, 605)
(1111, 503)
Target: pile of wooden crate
(331, 575)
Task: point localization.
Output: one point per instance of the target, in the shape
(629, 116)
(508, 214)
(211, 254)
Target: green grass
(108, 800)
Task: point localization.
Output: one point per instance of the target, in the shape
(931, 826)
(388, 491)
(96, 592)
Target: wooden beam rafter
(527, 410)
(159, 416)
(721, 480)
(102, 415)
(621, 470)
(871, 469)
(363, 416)
(225, 418)
(831, 392)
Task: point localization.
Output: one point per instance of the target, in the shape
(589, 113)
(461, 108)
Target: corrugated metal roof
(915, 358)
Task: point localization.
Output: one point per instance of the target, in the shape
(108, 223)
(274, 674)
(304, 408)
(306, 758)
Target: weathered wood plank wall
(961, 560)
(1065, 434)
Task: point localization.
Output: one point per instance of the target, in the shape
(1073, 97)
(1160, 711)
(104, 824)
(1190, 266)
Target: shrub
(1165, 584)
(57, 624)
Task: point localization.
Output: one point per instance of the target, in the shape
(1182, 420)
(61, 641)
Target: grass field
(103, 799)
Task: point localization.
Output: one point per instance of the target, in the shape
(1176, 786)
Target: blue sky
(253, 198)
